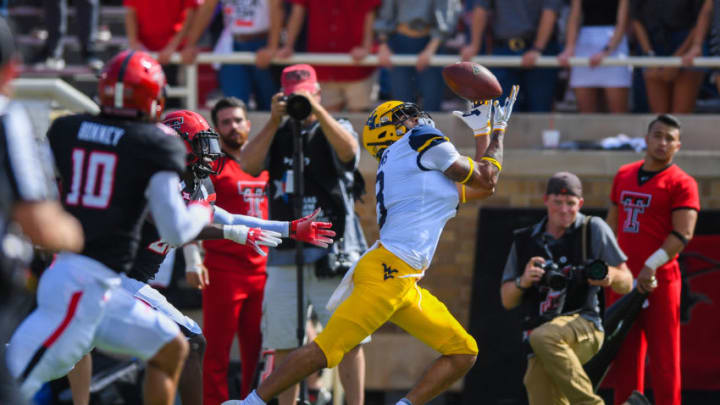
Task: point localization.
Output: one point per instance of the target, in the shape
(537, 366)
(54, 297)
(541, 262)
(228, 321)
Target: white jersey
(414, 198)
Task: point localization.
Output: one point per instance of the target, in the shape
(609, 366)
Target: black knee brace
(197, 344)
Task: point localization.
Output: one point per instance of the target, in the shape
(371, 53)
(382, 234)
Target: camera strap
(585, 238)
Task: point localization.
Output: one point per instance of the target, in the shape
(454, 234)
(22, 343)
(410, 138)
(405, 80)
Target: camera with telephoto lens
(298, 107)
(557, 278)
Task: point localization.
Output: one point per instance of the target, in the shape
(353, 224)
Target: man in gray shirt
(520, 28)
(561, 317)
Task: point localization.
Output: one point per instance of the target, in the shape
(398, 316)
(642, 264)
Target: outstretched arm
(481, 174)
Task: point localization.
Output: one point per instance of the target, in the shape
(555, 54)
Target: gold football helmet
(385, 125)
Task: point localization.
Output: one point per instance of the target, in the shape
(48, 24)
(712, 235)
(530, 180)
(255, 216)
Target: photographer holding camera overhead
(555, 272)
(331, 155)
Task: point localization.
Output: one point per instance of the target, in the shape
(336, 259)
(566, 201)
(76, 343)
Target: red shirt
(337, 26)
(238, 193)
(159, 20)
(645, 212)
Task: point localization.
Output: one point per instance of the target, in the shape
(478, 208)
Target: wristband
(463, 199)
(657, 259)
(494, 162)
(193, 260)
(472, 169)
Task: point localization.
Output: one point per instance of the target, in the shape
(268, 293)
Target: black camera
(298, 107)
(557, 278)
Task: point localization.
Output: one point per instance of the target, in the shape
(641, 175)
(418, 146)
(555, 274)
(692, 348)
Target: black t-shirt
(105, 165)
(153, 249)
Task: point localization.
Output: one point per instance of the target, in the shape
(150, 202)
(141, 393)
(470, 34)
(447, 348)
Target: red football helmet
(132, 84)
(201, 141)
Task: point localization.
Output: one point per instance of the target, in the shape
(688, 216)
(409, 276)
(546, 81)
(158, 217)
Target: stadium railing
(189, 90)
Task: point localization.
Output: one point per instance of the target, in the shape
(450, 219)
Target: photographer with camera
(555, 273)
(331, 183)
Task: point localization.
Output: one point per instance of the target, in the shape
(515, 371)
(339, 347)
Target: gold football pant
(385, 289)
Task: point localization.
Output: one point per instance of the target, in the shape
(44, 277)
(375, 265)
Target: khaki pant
(555, 374)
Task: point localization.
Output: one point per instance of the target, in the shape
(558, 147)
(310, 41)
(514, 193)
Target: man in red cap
(331, 153)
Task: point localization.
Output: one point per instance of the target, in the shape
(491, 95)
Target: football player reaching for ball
(416, 194)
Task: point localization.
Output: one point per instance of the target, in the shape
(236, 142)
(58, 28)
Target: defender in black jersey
(114, 168)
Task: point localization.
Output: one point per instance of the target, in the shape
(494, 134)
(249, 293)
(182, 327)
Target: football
(471, 81)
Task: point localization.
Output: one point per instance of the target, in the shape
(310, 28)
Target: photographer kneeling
(555, 273)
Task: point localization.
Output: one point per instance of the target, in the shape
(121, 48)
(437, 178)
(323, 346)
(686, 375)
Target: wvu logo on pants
(388, 271)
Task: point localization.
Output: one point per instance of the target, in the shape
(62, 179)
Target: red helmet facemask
(132, 84)
(201, 141)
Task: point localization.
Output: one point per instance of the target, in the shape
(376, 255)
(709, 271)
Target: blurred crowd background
(72, 37)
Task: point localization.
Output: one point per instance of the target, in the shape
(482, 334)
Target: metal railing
(189, 91)
(54, 89)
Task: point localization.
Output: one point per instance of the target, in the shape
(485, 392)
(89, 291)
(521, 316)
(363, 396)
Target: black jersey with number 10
(105, 165)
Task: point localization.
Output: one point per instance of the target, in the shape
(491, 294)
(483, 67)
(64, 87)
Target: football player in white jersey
(421, 179)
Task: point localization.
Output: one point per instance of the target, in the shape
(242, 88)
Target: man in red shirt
(654, 210)
(232, 301)
(337, 26)
(158, 25)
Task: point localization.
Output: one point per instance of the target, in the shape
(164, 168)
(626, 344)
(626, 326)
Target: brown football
(471, 81)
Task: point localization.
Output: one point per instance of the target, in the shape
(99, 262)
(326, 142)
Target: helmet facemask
(205, 152)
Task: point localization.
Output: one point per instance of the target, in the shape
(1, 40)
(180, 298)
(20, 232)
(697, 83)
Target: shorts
(80, 306)
(385, 290)
(592, 40)
(279, 318)
(152, 297)
(355, 95)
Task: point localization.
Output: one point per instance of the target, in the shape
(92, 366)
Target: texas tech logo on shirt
(634, 204)
(253, 193)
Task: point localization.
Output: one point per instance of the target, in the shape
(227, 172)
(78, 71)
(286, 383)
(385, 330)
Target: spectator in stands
(340, 26)
(709, 19)
(602, 34)
(56, 12)
(250, 26)
(415, 27)
(663, 28)
(521, 28)
(159, 26)
(232, 301)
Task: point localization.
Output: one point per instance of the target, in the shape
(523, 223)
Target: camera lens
(298, 107)
(596, 270)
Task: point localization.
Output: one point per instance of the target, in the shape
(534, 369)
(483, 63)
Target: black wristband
(518, 285)
(680, 236)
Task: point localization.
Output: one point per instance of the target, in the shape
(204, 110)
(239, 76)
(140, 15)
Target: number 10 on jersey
(97, 176)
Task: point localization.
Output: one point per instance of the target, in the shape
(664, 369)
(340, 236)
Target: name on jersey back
(98, 133)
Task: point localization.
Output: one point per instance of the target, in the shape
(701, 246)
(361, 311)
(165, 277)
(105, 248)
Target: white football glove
(477, 118)
(254, 237)
(502, 113)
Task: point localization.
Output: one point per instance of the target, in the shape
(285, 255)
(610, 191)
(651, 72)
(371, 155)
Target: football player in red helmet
(112, 167)
(202, 149)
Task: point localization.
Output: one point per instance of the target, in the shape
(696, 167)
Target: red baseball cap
(299, 77)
